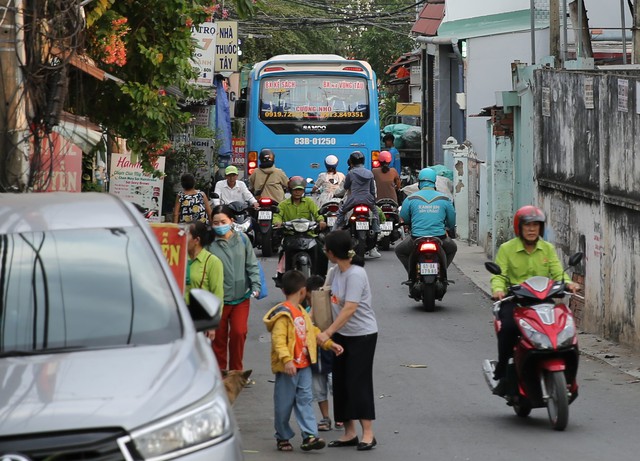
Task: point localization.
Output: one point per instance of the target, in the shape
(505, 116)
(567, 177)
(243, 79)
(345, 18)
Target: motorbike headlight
(537, 338)
(301, 226)
(565, 337)
(185, 432)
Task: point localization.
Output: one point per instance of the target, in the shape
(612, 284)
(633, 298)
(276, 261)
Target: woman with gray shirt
(355, 328)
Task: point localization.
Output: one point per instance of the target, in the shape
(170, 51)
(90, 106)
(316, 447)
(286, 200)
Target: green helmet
(427, 178)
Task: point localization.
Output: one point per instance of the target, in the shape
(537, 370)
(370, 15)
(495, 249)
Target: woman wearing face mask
(241, 282)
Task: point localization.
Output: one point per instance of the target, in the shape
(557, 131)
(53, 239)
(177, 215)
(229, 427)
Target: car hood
(124, 387)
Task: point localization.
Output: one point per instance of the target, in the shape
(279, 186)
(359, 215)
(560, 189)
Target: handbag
(321, 312)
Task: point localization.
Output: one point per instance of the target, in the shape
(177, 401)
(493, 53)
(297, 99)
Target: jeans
(405, 248)
(294, 393)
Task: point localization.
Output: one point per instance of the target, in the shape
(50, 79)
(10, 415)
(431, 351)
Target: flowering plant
(108, 43)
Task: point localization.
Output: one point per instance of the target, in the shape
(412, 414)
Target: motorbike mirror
(575, 259)
(309, 180)
(214, 195)
(493, 268)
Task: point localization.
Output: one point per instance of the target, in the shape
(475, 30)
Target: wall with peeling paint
(588, 171)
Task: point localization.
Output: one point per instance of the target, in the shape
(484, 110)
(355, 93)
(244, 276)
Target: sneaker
(374, 253)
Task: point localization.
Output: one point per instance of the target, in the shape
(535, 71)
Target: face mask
(222, 230)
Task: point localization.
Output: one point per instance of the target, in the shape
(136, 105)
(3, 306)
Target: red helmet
(385, 156)
(527, 214)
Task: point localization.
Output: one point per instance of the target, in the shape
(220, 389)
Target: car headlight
(565, 337)
(182, 433)
(537, 338)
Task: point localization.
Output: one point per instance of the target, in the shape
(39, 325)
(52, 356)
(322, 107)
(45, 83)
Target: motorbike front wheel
(429, 296)
(522, 408)
(558, 403)
(267, 248)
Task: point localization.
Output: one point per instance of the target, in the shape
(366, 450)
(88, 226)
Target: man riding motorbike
(267, 180)
(429, 213)
(520, 258)
(231, 190)
(295, 207)
(328, 182)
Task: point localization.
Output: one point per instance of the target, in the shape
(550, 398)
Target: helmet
(297, 182)
(385, 156)
(266, 158)
(527, 214)
(427, 178)
(331, 161)
(356, 158)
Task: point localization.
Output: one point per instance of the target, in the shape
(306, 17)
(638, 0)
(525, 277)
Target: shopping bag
(321, 312)
(263, 284)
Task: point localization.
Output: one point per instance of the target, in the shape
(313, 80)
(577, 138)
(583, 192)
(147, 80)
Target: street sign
(227, 47)
(205, 53)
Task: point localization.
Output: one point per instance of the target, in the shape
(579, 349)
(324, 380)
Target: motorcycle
(329, 210)
(268, 238)
(390, 230)
(542, 372)
(428, 282)
(242, 221)
(301, 250)
(360, 226)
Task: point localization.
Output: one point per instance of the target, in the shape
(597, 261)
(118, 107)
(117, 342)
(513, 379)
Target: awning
(79, 130)
(494, 24)
(429, 18)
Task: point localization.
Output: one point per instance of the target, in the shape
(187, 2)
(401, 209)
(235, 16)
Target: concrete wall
(587, 174)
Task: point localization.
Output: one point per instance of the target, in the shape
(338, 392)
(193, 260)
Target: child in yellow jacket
(293, 350)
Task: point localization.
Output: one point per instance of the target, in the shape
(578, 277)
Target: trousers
(231, 334)
(404, 250)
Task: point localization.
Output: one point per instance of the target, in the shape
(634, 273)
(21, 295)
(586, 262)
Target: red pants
(231, 334)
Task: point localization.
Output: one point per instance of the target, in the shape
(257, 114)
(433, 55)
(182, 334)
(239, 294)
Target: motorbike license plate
(331, 220)
(362, 225)
(428, 268)
(264, 214)
(386, 226)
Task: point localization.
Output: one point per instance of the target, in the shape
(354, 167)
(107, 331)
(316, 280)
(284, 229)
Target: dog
(234, 381)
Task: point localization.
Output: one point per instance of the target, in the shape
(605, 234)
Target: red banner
(173, 241)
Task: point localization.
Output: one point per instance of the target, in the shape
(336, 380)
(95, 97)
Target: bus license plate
(264, 214)
(386, 226)
(362, 225)
(331, 221)
(428, 268)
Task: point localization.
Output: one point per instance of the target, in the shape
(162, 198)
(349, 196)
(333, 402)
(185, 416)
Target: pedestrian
(231, 190)
(389, 140)
(267, 180)
(321, 371)
(191, 204)
(241, 282)
(387, 179)
(355, 328)
(204, 270)
(293, 350)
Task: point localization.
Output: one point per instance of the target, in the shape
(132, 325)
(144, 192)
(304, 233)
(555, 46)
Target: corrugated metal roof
(429, 18)
(494, 24)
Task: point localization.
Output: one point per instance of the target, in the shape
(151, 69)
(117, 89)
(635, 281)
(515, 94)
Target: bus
(305, 107)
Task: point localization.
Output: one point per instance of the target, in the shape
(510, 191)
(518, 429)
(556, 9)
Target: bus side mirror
(240, 108)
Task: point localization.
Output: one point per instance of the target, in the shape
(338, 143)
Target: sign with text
(60, 166)
(205, 54)
(200, 115)
(227, 47)
(173, 242)
(129, 182)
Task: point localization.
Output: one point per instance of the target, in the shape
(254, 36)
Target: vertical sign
(205, 54)
(238, 155)
(546, 101)
(588, 93)
(129, 182)
(173, 242)
(60, 166)
(227, 47)
(623, 95)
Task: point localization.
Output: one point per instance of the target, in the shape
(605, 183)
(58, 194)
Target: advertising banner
(205, 53)
(173, 241)
(129, 182)
(60, 165)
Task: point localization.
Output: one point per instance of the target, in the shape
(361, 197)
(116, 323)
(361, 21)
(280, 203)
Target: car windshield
(87, 288)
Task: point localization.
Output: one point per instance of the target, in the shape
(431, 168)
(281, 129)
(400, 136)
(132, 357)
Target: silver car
(100, 357)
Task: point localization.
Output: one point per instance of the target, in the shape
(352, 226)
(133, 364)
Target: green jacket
(519, 265)
(241, 273)
(289, 211)
(206, 272)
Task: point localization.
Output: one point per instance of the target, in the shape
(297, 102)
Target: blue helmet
(427, 178)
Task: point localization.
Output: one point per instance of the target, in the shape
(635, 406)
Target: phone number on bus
(298, 115)
(314, 141)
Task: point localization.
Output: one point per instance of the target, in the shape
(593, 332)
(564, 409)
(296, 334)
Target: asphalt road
(445, 411)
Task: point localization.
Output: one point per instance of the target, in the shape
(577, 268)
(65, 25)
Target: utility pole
(554, 30)
(636, 32)
(14, 150)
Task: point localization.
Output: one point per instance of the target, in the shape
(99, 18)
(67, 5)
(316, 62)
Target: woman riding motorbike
(328, 182)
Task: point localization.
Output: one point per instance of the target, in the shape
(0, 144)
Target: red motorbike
(542, 372)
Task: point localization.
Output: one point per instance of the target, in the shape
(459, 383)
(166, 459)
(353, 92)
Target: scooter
(390, 230)
(242, 221)
(301, 250)
(542, 372)
(428, 279)
(360, 226)
(268, 238)
(329, 210)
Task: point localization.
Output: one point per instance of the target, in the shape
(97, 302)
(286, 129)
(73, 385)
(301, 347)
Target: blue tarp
(223, 120)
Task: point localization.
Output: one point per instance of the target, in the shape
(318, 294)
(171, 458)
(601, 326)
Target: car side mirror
(575, 259)
(493, 268)
(205, 309)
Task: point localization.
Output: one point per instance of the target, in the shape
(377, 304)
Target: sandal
(339, 425)
(284, 445)
(324, 424)
(312, 443)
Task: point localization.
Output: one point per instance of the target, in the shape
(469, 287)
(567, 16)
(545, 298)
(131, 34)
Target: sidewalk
(470, 261)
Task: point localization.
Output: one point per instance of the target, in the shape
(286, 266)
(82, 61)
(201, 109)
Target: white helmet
(331, 161)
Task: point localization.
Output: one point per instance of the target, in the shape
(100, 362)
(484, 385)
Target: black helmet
(356, 158)
(266, 158)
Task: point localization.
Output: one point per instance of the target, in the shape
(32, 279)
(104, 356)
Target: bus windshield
(314, 98)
